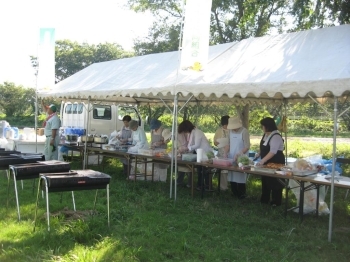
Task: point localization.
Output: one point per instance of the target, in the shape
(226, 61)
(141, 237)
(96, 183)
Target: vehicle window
(102, 112)
(80, 108)
(74, 108)
(68, 109)
(131, 111)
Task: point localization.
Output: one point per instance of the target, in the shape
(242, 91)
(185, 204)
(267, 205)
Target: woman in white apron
(220, 139)
(239, 145)
(139, 141)
(157, 142)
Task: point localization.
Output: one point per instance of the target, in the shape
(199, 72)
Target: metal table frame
(43, 178)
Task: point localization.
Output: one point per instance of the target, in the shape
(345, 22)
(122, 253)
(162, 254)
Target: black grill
(15, 159)
(6, 153)
(76, 180)
(32, 170)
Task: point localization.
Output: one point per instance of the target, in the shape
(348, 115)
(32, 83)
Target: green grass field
(147, 225)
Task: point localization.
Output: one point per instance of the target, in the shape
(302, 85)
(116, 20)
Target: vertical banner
(46, 59)
(195, 43)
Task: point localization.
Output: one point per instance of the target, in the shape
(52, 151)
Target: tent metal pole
(174, 146)
(333, 168)
(87, 128)
(285, 133)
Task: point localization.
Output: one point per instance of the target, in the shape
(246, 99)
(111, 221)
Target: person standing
(51, 126)
(220, 134)
(158, 142)
(197, 140)
(182, 148)
(138, 141)
(123, 137)
(239, 144)
(271, 151)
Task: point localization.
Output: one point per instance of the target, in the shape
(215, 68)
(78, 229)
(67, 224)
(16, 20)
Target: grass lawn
(146, 225)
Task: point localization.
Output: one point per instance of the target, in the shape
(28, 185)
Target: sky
(83, 21)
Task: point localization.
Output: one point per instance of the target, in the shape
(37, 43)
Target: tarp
(294, 65)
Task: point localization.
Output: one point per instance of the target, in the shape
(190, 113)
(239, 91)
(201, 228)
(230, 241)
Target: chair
(343, 161)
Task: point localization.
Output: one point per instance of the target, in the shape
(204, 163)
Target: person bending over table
(271, 151)
(182, 148)
(239, 144)
(197, 140)
(139, 141)
(124, 136)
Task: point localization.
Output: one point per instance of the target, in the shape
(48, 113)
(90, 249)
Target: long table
(316, 181)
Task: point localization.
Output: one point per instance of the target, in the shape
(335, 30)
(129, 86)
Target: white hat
(234, 123)
(166, 134)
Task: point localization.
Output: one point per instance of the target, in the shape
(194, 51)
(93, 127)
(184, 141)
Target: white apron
(236, 146)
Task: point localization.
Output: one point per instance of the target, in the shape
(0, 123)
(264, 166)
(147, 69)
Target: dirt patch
(72, 215)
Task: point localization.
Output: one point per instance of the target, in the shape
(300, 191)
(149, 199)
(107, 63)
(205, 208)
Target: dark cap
(52, 107)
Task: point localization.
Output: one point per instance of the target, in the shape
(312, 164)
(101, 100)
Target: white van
(104, 119)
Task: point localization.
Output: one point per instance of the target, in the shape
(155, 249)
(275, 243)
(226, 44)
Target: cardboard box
(40, 131)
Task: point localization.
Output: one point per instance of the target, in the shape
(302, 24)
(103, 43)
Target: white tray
(304, 173)
(264, 170)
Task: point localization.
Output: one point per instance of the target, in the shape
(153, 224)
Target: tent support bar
(333, 169)
(344, 112)
(87, 128)
(324, 109)
(188, 100)
(166, 105)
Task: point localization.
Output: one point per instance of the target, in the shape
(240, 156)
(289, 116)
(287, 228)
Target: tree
(71, 57)
(16, 100)
(320, 13)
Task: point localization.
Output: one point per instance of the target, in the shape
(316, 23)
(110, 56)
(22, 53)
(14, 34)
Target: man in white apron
(239, 145)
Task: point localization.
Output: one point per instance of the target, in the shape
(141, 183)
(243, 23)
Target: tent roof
(272, 68)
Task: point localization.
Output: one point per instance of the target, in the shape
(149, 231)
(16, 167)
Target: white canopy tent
(290, 66)
(312, 64)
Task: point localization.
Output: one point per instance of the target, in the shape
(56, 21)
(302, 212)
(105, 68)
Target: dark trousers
(125, 170)
(203, 170)
(271, 187)
(238, 189)
(181, 176)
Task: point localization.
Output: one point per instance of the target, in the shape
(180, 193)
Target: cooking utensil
(72, 138)
(102, 140)
(89, 139)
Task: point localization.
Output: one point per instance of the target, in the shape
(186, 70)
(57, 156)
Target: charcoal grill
(6, 153)
(32, 171)
(15, 159)
(72, 181)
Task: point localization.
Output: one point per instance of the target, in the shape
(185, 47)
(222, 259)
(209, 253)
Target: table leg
(317, 198)
(301, 200)
(219, 180)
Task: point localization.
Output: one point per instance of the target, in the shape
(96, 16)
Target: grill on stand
(72, 181)
(32, 171)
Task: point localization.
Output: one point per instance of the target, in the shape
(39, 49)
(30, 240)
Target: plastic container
(10, 133)
(29, 132)
(16, 132)
(189, 157)
(3, 125)
(222, 161)
(151, 152)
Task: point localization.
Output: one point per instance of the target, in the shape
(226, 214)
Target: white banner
(195, 42)
(46, 59)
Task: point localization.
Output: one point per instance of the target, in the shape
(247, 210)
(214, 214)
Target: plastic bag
(310, 198)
